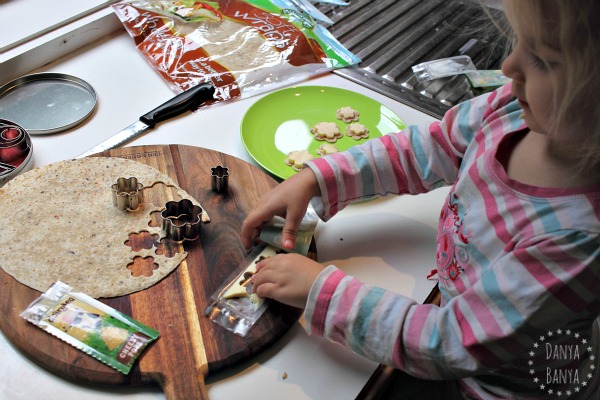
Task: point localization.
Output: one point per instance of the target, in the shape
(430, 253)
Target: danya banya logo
(562, 364)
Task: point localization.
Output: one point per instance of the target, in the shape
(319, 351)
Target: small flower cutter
(127, 194)
(219, 178)
(181, 220)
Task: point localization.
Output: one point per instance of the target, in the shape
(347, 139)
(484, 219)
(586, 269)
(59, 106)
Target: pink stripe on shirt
(418, 320)
(325, 169)
(414, 182)
(470, 341)
(343, 309)
(323, 301)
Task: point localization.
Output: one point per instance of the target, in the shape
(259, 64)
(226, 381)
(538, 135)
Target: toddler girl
(518, 255)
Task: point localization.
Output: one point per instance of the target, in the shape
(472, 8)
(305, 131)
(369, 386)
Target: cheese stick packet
(90, 326)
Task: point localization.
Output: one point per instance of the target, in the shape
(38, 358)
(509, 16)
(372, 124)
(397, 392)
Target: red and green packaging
(241, 47)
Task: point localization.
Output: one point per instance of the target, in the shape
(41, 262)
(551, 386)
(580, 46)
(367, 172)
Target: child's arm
(415, 160)
(493, 324)
(484, 328)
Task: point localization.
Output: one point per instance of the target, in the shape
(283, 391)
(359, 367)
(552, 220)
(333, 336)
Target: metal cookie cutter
(181, 220)
(219, 178)
(127, 194)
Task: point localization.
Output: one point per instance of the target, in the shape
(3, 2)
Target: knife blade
(186, 101)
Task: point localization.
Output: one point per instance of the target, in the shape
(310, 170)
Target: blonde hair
(573, 28)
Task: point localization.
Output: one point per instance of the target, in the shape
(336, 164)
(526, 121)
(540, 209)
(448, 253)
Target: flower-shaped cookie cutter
(219, 178)
(181, 220)
(127, 194)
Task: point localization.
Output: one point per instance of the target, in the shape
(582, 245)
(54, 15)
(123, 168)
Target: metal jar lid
(47, 102)
(16, 151)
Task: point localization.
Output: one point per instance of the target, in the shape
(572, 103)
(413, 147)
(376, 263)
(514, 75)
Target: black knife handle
(185, 101)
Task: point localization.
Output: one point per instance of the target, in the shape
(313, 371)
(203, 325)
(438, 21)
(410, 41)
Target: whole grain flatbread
(59, 223)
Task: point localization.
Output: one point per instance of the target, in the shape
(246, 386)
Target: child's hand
(289, 200)
(286, 278)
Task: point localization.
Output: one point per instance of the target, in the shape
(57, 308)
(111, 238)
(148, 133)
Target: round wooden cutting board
(190, 346)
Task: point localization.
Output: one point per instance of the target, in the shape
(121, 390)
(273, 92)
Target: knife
(185, 101)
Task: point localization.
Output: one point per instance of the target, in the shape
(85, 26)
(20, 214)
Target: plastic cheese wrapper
(233, 305)
(241, 47)
(91, 326)
(271, 232)
(444, 67)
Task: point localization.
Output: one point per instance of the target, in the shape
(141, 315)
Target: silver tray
(47, 102)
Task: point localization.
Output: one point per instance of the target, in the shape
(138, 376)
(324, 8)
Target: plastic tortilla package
(242, 47)
(335, 2)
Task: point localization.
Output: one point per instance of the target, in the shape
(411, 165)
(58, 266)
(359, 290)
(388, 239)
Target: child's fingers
(264, 263)
(268, 284)
(252, 225)
(265, 290)
(293, 219)
(263, 275)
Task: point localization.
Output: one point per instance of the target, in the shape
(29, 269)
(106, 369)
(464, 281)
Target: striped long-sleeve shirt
(518, 266)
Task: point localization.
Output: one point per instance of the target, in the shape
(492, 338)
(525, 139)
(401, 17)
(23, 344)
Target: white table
(395, 247)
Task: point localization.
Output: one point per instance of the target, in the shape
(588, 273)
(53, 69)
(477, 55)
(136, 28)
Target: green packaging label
(91, 326)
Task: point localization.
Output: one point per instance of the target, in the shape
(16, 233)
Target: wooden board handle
(181, 386)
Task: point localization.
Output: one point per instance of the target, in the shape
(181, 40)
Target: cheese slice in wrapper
(234, 306)
(272, 231)
(91, 326)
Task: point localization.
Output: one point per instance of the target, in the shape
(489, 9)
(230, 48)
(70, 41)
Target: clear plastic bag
(444, 67)
(241, 47)
(233, 305)
(335, 2)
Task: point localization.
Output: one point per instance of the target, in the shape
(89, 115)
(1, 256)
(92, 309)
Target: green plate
(281, 121)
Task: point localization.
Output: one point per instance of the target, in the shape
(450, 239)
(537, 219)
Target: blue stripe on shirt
(490, 285)
(418, 151)
(464, 121)
(366, 174)
(360, 329)
(546, 215)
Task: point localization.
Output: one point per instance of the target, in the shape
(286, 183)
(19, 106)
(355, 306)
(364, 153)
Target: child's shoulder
(501, 100)
(499, 103)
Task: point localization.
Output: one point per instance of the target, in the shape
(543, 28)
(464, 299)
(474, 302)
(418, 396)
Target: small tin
(47, 102)
(16, 150)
